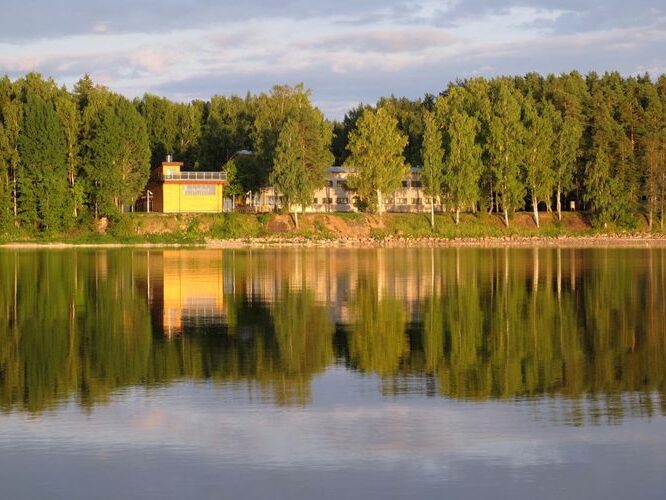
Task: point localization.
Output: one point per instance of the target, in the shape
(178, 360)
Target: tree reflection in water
(588, 326)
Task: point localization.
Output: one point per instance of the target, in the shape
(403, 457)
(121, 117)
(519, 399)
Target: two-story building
(337, 196)
(171, 190)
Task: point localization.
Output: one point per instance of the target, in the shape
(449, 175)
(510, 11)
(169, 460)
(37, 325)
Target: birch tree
(376, 156)
(462, 165)
(566, 143)
(505, 147)
(302, 158)
(538, 154)
(432, 174)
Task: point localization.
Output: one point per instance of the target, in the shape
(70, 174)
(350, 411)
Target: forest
(500, 145)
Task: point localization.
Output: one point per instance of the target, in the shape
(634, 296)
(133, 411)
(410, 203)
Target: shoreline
(596, 241)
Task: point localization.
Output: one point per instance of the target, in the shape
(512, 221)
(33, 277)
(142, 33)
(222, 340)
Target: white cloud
(386, 50)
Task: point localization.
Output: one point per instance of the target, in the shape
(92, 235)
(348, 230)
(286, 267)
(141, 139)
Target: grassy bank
(194, 229)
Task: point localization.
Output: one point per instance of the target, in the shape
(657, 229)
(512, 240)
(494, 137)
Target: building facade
(337, 196)
(170, 190)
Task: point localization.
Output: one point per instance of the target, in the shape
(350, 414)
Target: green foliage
(463, 165)
(410, 115)
(44, 203)
(376, 158)
(607, 190)
(233, 225)
(341, 132)
(538, 160)
(116, 155)
(506, 150)
(509, 143)
(227, 129)
(302, 157)
(432, 173)
(271, 113)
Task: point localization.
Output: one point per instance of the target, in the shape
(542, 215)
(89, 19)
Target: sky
(346, 51)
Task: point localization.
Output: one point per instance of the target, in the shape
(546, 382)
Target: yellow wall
(176, 200)
(193, 286)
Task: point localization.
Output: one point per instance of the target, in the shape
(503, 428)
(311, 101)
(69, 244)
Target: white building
(337, 196)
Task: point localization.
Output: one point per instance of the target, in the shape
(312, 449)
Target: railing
(195, 176)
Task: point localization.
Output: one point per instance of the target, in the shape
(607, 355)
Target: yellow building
(192, 289)
(171, 190)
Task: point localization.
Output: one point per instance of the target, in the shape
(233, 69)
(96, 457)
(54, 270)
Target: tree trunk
(650, 216)
(14, 192)
(535, 208)
(559, 204)
(457, 216)
(380, 206)
(506, 217)
(296, 218)
(432, 212)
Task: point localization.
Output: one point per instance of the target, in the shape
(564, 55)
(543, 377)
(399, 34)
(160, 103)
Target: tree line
(514, 143)
(499, 145)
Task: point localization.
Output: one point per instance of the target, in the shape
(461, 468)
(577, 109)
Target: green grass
(192, 229)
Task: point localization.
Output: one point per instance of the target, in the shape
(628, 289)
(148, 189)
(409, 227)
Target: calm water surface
(457, 373)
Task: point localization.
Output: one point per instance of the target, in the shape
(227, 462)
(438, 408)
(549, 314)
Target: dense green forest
(68, 157)
(585, 325)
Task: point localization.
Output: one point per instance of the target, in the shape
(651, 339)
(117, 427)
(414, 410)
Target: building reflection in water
(187, 286)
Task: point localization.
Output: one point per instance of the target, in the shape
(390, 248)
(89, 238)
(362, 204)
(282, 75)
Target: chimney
(168, 158)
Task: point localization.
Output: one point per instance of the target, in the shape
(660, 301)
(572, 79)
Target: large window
(198, 189)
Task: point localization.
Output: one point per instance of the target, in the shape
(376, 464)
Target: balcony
(194, 176)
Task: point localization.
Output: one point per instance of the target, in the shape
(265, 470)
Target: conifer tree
(506, 152)
(302, 158)
(70, 120)
(652, 149)
(116, 155)
(432, 173)
(376, 156)
(42, 185)
(11, 120)
(601, 186)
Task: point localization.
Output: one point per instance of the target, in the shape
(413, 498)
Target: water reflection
(585, 326)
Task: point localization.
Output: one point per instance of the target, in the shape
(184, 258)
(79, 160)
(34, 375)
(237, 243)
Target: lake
(344, 373)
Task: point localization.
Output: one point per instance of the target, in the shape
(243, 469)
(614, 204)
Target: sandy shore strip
(614, 241)
(634, 241)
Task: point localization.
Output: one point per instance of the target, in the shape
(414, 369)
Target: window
(198, 189)
(405, 184)
(417, 184)
(342, 201)
(417, 201)
(330, 183)
(316, 200)
(327, 201)
(402, 201)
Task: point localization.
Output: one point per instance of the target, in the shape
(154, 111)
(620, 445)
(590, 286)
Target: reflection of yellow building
(173, 191)
(193, 288)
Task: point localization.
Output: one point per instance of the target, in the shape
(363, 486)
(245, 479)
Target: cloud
(347, 51)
